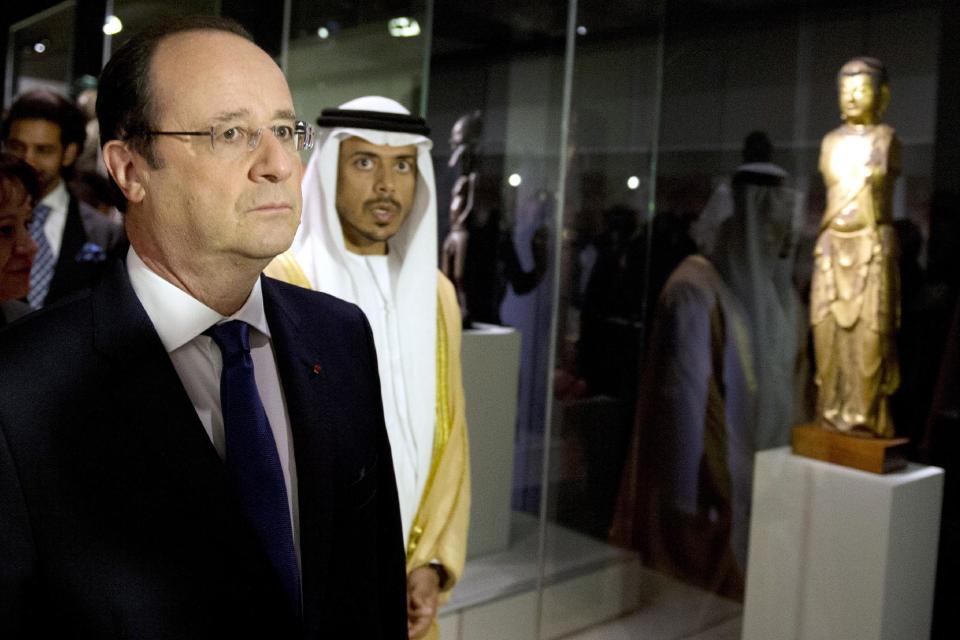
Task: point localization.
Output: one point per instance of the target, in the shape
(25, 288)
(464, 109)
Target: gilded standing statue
(855, 293)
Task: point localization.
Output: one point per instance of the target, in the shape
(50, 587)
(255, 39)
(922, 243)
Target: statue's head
(466, 131)
(864, 90)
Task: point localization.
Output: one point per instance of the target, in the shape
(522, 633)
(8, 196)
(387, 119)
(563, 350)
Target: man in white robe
(368, 235)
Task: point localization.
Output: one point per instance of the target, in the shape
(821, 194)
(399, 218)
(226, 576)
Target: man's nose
(273, 163)
(31, 157)
(385, 182)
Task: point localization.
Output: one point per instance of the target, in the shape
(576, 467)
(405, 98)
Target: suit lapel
(309, 400)
(155, 413)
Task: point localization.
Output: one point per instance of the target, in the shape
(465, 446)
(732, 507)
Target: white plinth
(837, 553)
(490, 357)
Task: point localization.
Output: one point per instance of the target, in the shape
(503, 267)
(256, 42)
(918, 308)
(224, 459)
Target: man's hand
(423, 592)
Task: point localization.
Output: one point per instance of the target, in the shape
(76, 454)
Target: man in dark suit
(74, 240)
(192, 450)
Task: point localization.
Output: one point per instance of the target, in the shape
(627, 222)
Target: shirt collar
(57, 199)
(177, 316)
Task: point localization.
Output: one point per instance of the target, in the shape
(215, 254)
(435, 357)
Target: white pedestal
(490, 356)
(837, 553)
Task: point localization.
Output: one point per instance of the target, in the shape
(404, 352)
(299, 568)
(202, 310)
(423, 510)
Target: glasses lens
(286, 136)
(232, 142)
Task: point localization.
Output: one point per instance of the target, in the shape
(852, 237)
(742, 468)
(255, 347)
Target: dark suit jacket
(11, 310)
(76, 269)
(116, 519)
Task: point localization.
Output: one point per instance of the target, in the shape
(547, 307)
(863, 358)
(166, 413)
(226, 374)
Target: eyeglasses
(231, 142)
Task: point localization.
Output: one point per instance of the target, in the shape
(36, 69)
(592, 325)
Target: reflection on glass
(42, 49)
(131, 16)
(339, 52)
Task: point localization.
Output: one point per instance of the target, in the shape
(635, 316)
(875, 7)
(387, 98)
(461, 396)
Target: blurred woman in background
(19, 190)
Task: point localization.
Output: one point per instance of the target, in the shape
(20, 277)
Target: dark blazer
(11, 310)
(78, 264)
(116, 519)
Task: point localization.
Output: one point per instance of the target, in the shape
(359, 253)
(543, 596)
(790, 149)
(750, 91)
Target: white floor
(671, 610)
(593, 591)
(638, 626)
(515, 569)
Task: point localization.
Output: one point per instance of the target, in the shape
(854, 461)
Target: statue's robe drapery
(854, 300)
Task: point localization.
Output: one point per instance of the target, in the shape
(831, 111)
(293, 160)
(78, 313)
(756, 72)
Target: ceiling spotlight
(323, 33)
(633, 182)
(112, 26)
(403, 27)
(514, 180)
(39, 46)
(581, 30)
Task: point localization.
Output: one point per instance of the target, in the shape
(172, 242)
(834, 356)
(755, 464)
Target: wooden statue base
(877, 455)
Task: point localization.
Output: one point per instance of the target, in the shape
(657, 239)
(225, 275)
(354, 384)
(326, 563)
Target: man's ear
(70, 154)
(124, 168)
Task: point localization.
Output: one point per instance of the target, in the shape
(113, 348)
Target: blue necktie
(252, 461)
(41, 273)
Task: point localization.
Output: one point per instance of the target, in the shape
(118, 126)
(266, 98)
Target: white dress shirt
(56, 221)
(180, 320)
